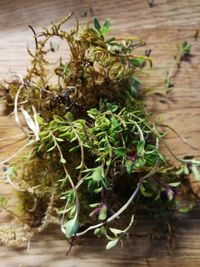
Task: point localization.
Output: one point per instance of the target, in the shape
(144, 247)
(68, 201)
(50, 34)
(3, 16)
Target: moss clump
(93, 150)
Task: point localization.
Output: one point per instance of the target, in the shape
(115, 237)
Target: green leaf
(129, 166)
(174, 184)
(103, 213)
(74, 148)
(111, 107)
(66, 69)
(140, 162)
(185, 48)
(62, 160)
(140, 147)
(91, 186)
(136, 83)
(116, 231)
(58, 119)
(70, 195)
(98, 174)
(72, 211)
(69, 117)
(133, 91)
(103, 231)
(105, 28)
(63, 128)
(94, 205)
(121, 151)
(3, 201)
(70, 228)
(97, 231)
(96, 24)
(59, 139)
(93, 113)
(184, 205)
(97, 190)
(11, 170)
(144, 193)
(195, 173)
(51, 148)
(43, 134)
(186, 208)
(186, 170)
(106, 23)
(168, 83)
(108, 162)
(112, 244)
(137, 62)
(53, 124)
(183, 170)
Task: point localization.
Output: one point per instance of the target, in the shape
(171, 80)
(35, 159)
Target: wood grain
(166, 24)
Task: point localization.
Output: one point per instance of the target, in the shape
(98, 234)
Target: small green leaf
(59, 139)
(183, 170)
(58, 119)
(174, 184)
(98, 174)
(116, 231)
(186, 208)
(140, 162)
(91, 186)
(70, 228)
(94, 205)
(129, 166)
(186, 170)
(74, 148)
(97, 231)
(136, 83)
(98, 190)
(105, 28)
(62, 160)
(44, 134)
(185, 48)
(106, 23)
(184, 205)
(3, 201)
(108, 162)
(195, 173)
(96, 24)
(121, 151)
(112, 244)
(51, 148)
(72, 211)
(168, 83)
(111, 107)
(103, 231)
(140, 147)
(66, 69)
(69, 117)
(103, 213)
(144, 193)
(133, 91)
(137, 62)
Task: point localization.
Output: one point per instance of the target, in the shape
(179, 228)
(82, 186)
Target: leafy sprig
(89, 138)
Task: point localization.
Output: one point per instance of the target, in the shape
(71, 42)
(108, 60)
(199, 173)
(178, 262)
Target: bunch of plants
(92, 159)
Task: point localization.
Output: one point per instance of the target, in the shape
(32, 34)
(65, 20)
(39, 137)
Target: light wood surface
(166, 24)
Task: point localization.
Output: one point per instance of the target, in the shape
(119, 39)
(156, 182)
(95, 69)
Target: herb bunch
(93, 153)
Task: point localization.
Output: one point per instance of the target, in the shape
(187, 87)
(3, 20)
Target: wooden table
(166, 24)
